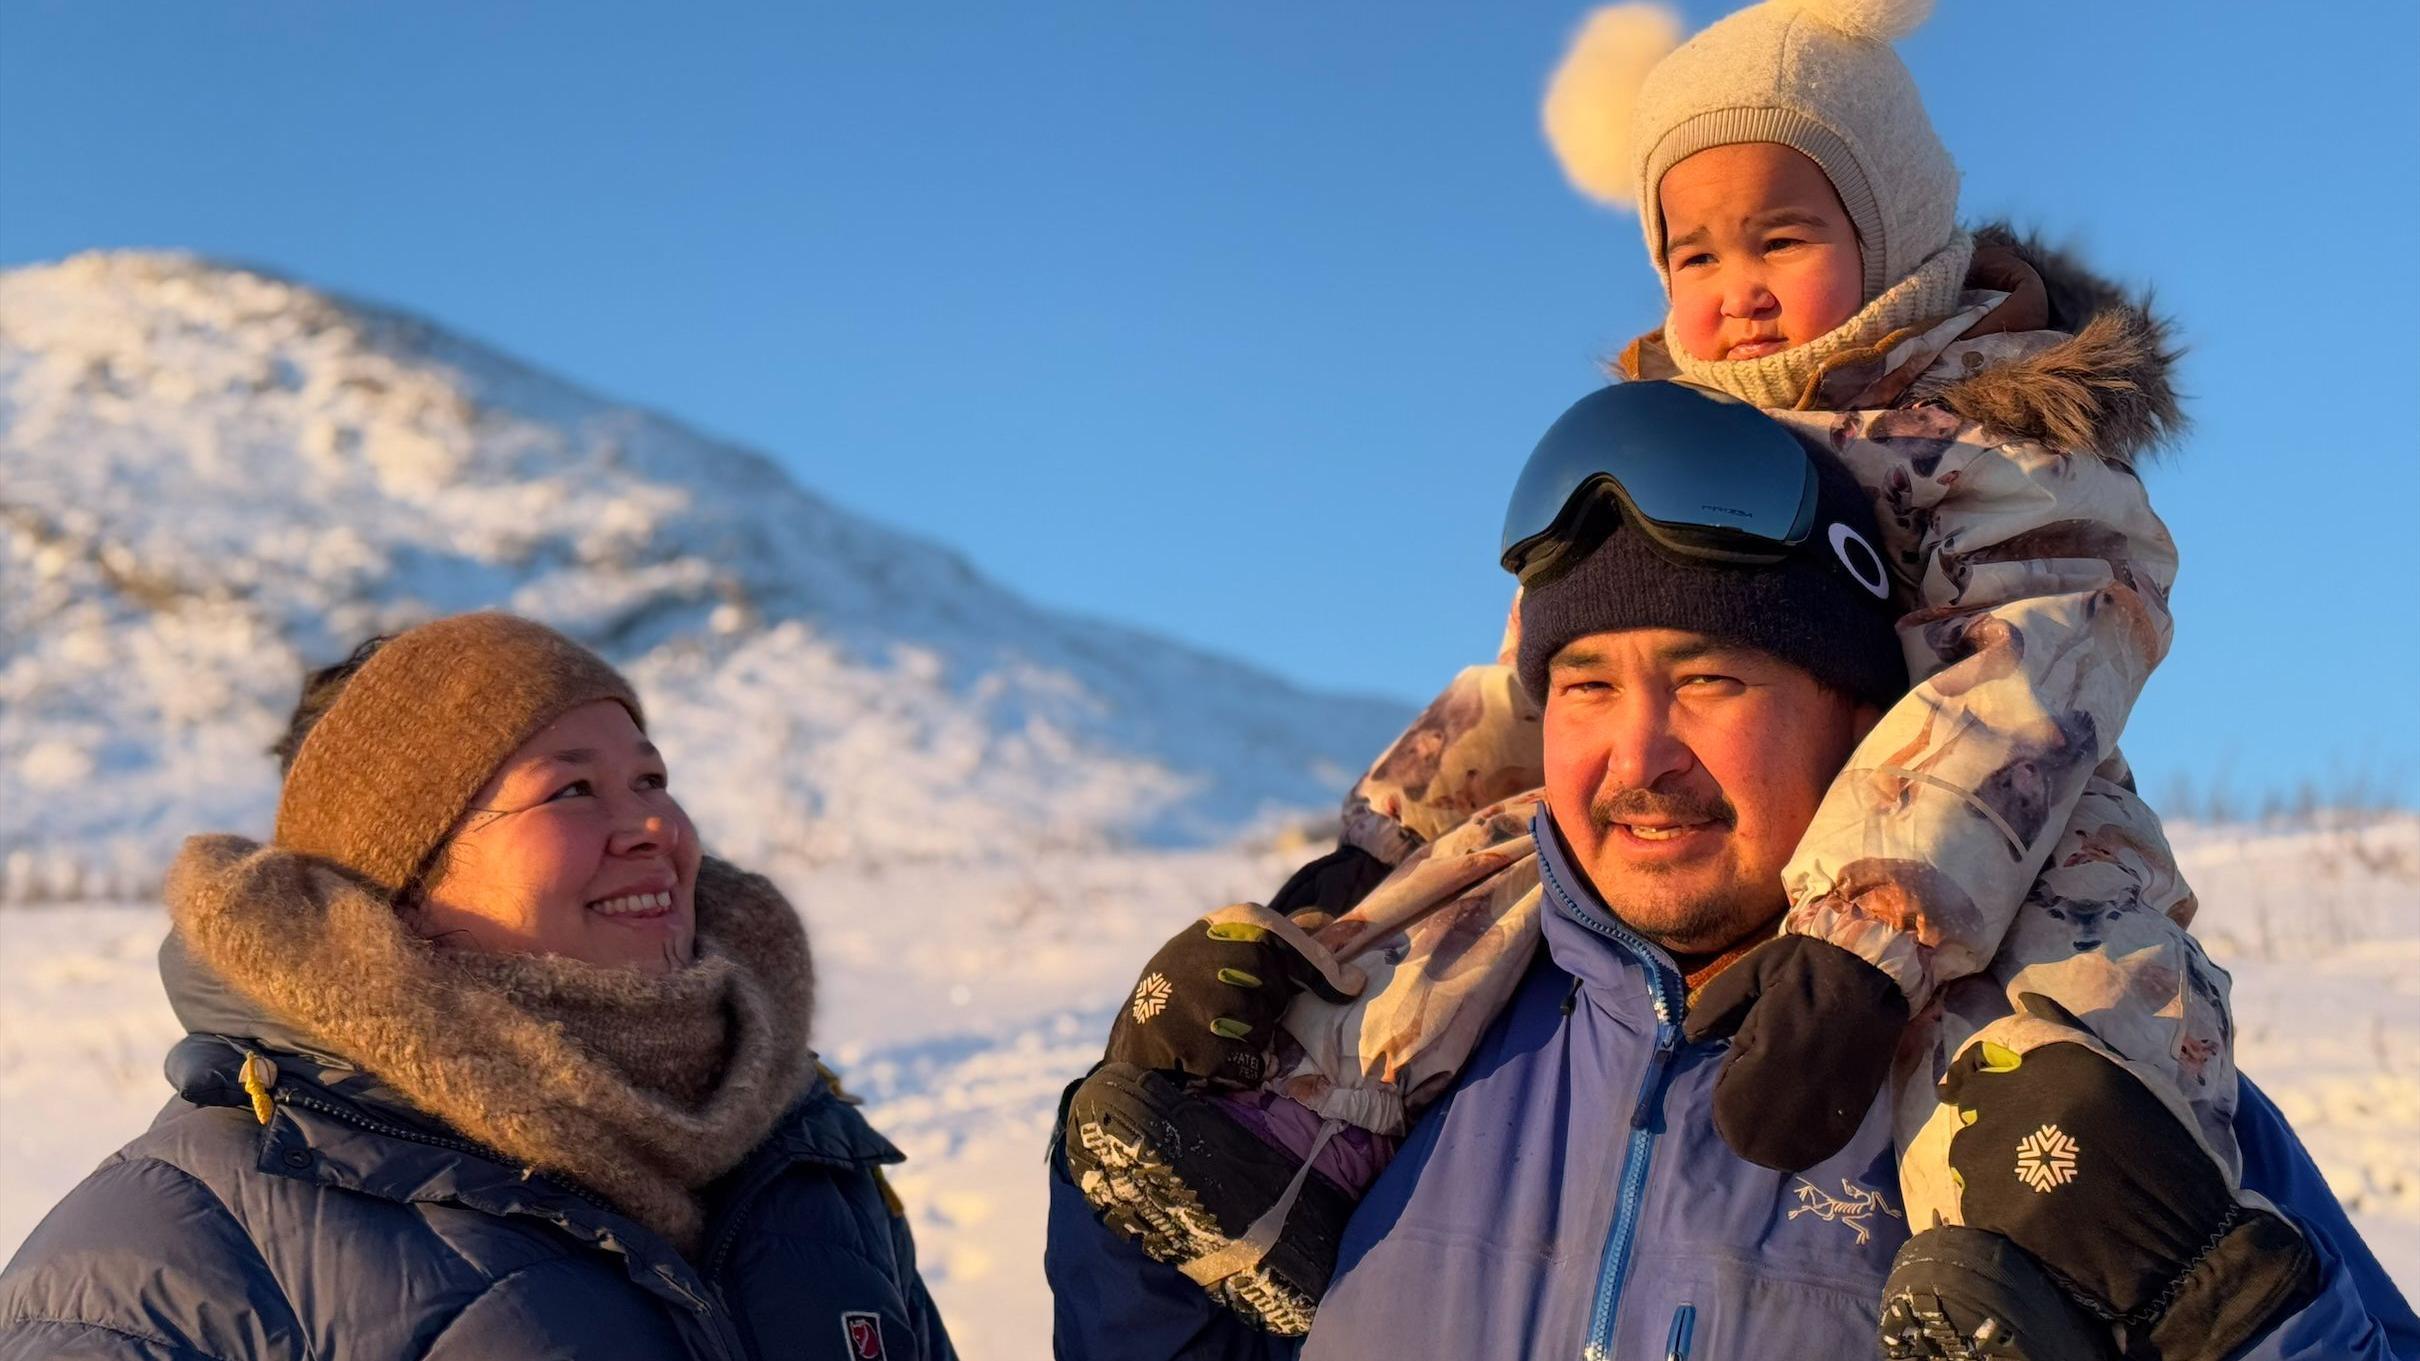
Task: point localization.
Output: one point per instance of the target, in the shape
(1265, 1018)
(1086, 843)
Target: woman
(486, 1060)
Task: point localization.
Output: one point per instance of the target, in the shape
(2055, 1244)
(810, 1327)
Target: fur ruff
(2106, 386)
(2109, 388)
(640, 1089)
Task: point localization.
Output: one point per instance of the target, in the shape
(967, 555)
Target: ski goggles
(1702, 474)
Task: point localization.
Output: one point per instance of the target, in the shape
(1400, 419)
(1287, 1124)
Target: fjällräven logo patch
(865, 1335)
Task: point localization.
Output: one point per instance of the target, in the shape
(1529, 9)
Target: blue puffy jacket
(1570, 1198)
(349, 1228)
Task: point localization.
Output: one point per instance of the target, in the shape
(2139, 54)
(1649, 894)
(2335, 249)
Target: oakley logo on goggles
(1702, 474)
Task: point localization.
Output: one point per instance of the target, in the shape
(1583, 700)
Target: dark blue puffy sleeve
(2359, 1312)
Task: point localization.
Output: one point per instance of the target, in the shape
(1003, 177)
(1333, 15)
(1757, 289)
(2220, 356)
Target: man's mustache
(1650, 805)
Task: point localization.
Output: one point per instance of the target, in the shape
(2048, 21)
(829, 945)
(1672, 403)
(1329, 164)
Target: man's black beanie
(1813, 609)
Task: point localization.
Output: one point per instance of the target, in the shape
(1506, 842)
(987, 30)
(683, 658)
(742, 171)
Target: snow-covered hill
(210, 478)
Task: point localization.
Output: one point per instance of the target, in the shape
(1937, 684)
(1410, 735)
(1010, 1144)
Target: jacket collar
(338, 1126)
(205, 1003)
(1620, 970)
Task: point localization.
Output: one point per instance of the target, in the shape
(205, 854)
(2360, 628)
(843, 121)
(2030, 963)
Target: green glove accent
(1207, 1004)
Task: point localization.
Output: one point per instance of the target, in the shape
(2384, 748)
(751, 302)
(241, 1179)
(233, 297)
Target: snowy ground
(959, 1000)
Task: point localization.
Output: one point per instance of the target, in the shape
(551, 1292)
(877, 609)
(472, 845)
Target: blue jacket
(349, 1228)
(1570, 1198)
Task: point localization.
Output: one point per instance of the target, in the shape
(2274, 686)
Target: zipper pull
(259, 1078)
(1651, 1092)
(1684, 1326)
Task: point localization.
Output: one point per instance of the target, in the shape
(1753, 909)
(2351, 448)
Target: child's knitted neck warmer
(1783, 380)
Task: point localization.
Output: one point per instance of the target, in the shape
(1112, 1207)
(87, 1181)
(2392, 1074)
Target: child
(1984, 848)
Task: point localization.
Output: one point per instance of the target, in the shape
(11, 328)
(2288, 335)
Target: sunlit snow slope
(210, 477)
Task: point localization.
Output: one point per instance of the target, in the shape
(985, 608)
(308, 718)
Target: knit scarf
(1782, 379)
(640, 1089)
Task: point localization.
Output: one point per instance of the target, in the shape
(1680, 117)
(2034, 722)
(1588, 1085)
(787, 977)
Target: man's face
(1682, 772)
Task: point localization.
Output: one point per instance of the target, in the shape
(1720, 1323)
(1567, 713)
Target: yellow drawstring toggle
(259, 1076)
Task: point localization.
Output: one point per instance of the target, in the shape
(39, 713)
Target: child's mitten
(2076, 1161)
(1335, 883)
(1813, 1032)
(1207, 1004)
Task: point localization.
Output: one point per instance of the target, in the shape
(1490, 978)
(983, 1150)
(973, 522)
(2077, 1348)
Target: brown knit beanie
(391, 767)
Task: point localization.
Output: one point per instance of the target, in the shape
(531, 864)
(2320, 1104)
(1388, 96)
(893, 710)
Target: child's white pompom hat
(1817, 76)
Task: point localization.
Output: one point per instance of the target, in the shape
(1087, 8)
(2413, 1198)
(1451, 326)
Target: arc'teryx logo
(1853, 1207)
(2046, 1159)
(1150, 997)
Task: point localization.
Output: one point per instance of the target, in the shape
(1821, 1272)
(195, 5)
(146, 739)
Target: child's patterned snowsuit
(1985, 840)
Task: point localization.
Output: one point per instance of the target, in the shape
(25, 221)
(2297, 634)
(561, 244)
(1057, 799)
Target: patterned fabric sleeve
(1476, 744)
(2042, 584)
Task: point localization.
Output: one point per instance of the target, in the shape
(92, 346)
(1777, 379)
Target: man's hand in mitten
(2072, 1158)
(1813, 1029)
(1207, 1004)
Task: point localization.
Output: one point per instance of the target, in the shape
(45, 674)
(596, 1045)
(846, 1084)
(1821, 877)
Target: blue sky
(1237, 320)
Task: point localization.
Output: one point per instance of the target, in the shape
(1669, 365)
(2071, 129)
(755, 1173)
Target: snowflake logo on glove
(2046, 1159)
(1150, 997)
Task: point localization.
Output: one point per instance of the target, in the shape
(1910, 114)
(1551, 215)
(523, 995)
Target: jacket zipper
(1670, 1001)
(714, 1308)
(435, 1140)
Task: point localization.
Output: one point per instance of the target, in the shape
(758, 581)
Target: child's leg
(2088, 1120)
(1442, 943)
(2100, 934)
(1348, 1155)
(1477, 743)
(1248, 1191)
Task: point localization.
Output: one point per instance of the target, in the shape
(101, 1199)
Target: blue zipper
(1671, 1000)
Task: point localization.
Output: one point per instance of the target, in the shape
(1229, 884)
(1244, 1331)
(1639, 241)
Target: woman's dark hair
(319, 691)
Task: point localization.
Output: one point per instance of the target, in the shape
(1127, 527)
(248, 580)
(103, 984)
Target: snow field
(959, 1000)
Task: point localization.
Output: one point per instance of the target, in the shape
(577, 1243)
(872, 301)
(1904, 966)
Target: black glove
(2073, 1159)
(1207, 1004)
(1814, 1029)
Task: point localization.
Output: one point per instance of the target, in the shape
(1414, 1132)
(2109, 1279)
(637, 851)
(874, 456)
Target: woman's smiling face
(575, 847)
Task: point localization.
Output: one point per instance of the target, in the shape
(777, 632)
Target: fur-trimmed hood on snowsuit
(2099, 375)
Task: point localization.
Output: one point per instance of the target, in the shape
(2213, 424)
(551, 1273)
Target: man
(1570, 1196)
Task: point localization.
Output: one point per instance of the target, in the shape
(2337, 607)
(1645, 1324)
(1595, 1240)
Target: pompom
(1592, 98)
(1879, 21)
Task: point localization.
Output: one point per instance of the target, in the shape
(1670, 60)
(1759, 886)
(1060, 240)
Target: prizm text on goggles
(1702, 474)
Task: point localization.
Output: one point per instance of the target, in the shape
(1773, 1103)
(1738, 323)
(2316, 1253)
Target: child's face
(1760, 253)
